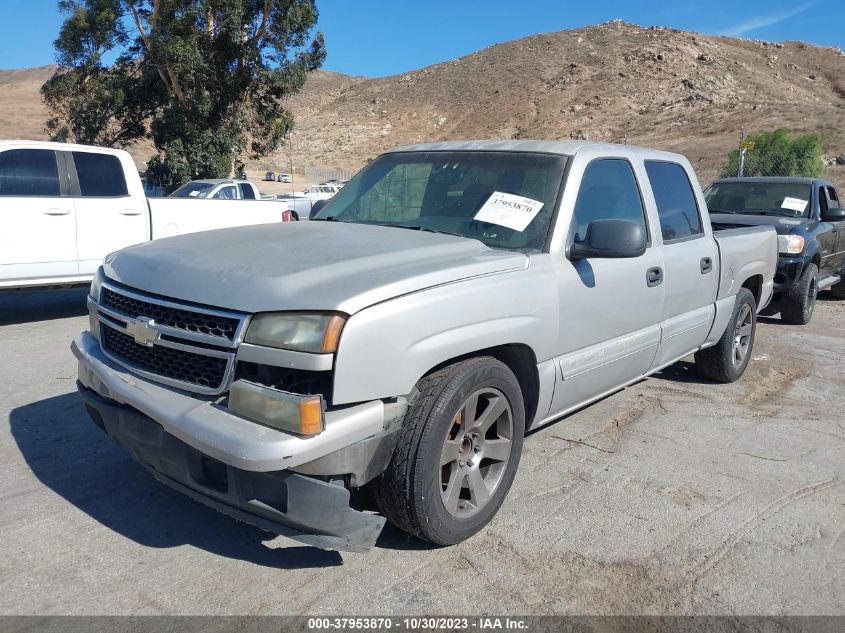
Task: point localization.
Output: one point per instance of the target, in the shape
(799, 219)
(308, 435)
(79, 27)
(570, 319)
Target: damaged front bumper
(231, 464)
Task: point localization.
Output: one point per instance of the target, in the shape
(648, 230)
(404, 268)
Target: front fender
(385, 349)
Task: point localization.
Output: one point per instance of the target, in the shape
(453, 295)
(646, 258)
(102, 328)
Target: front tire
(457, 452)
(726, 360)
(800, 300)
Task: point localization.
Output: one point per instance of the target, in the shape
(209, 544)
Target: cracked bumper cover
(226, 462)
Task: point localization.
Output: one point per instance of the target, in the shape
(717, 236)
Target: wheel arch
(521, 360)
(755, 285)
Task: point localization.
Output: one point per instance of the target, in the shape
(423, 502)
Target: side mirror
(835, 214)
(316, 207)
(611, 238)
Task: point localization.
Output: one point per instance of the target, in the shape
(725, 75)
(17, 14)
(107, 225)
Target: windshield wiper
(426, 229)
(331, 218)
(718, 211)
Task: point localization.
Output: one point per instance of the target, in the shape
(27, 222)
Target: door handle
(706, 265)
(56, 212)
(654, 276)
(130, 212)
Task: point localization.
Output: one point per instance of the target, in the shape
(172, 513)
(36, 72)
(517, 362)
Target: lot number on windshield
(508, 210)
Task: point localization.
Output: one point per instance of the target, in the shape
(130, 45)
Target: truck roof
(563, 148)
(222, 181)
(68, 147)
(779, 179)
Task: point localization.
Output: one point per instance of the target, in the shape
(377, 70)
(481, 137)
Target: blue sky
(384, 37)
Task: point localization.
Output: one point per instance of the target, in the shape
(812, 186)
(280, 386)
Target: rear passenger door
(108, 217)
(37, 224)
(690, 259)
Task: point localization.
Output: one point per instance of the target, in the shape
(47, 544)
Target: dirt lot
(673, 496)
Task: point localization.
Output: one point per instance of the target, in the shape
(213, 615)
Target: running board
(827, 282)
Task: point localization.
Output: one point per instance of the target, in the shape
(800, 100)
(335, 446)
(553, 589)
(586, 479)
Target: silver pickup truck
(450, 297)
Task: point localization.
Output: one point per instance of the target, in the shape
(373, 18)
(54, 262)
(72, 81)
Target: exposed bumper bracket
(309, 510)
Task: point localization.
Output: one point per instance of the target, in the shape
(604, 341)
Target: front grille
(207, 372)
(177, 318)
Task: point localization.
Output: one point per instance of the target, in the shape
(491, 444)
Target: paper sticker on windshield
(796, 204)
(508, 210)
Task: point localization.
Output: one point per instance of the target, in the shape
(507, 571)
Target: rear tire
(457, 452)
(800, 300)
(727, 360)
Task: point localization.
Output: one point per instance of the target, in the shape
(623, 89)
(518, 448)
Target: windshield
(790, 199)
(504, 199)
(192, 190)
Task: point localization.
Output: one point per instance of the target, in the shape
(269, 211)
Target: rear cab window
(246, 191)
(29, 173)
(100, 175)
(677, 208)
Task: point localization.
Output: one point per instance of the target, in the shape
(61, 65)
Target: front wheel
(800, 300)
(726, 360)
(457, 453)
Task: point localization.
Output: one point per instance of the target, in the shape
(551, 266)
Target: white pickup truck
(64, 207)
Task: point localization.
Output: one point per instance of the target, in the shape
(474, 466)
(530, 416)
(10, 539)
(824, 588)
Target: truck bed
(746, 252)
(176, 216)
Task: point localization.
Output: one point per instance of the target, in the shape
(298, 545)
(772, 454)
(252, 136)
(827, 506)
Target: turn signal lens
(311, 416)
(332, 335)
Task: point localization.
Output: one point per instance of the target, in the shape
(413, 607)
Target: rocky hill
(615, 81)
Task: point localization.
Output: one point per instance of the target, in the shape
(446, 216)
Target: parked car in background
(270, 176)
(151, 190)
(218, 189)
(321, 192)
(810, 221)
(450, 297)
(64, 207)
(301, 206)
(285, 178)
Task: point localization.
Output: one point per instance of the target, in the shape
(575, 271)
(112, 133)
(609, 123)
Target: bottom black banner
(517, 624)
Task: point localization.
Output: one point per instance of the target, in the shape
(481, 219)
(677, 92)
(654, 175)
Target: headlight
(94, 292)
(315, 333)
(790, 244)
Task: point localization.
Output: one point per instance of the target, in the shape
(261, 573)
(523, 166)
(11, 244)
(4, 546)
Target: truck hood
(303, 265)
(781, 225)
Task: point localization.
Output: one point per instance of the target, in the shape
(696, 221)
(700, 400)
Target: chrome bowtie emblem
(144, 331)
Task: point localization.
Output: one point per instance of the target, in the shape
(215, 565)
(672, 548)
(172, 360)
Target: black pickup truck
(810, 221)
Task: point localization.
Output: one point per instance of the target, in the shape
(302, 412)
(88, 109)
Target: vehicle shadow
(72, 457)
(684, 372)
(42, 305)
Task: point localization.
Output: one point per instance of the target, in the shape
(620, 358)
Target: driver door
(610, 309)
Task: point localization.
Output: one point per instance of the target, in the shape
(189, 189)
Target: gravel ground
(673, 496)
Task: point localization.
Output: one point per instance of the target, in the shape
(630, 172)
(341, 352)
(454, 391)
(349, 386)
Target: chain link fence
(730, 163)
(322, 174)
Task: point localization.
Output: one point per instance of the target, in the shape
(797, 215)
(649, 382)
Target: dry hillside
(615, 81)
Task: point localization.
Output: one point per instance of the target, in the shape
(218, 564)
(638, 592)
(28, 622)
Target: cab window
(100, 175)
(29, 172)
(676, 204)
(226, 193)
(608, 191)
